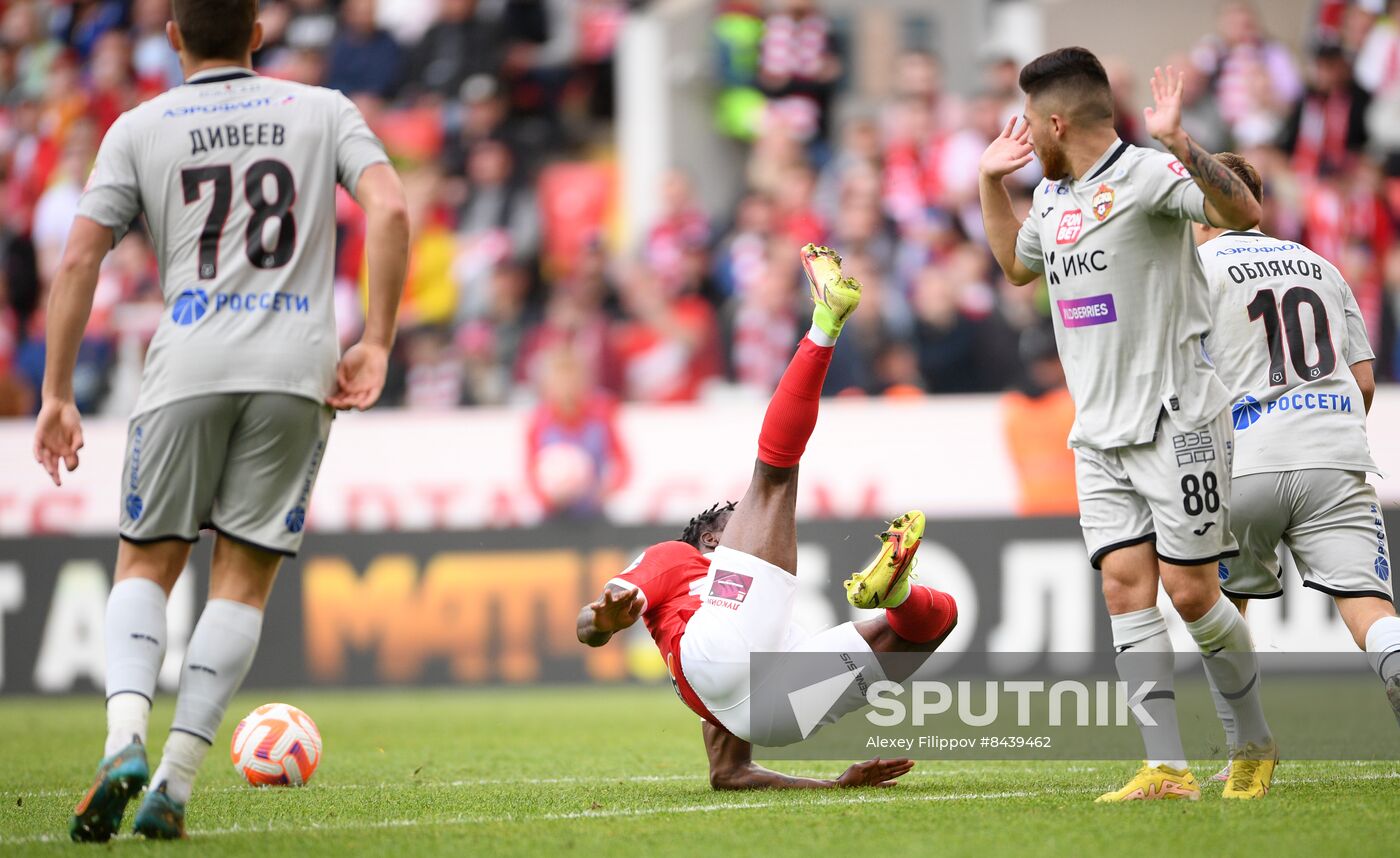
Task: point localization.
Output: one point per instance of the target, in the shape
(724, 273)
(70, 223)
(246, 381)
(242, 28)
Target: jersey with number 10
(236, 176)
(1287, 330)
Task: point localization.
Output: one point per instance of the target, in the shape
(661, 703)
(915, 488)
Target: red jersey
(670, 575)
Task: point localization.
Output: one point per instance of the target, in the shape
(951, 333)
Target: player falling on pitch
(1290, 344)
(236, 176)
(1110, 231)
(727, 588)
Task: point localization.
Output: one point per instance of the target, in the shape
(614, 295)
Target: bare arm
(1365, 374)
(360, 375)
(617, 609)
(58, 433)
(1008, 153)
(1229, 204)
(732, 767)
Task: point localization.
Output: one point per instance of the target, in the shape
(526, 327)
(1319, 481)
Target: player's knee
(161, 562)
(1192, 599)
(1123, 595)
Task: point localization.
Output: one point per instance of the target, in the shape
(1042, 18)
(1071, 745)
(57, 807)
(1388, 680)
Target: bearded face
(1048, 149)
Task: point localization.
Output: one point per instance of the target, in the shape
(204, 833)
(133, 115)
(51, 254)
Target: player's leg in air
(760, 540)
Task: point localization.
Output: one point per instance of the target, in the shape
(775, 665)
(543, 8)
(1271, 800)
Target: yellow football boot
(1156, 782)
(1252, 772)
(836, 296)
(885, 581)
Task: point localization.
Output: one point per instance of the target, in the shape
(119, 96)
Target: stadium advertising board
(979, 457)
(499, 606)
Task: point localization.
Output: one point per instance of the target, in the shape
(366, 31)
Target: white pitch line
(941, 772)
(547, 817)
(851, 799)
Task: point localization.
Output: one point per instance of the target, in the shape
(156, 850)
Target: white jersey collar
(1110, 155)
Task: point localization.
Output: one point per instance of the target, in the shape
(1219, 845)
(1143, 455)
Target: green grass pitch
(594, 771)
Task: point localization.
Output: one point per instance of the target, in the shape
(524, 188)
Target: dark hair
(1245, 170)
(704, 522)
(215, 29)
(1075, 76)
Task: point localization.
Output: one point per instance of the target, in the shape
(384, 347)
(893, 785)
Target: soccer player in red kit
(726, 588)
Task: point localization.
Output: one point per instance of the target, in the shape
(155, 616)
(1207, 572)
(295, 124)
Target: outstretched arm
(617, 609)
(58, 433)
(1009, 152)
(732, 767)
(1229, 204)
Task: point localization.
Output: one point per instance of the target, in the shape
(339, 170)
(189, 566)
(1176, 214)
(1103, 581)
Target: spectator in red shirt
(682, 224)
(669, 348)
(575, 458)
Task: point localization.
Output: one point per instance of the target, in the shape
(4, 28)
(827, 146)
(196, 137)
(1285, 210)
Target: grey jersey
(236, 175)
(1287, 330)
(1128, 295)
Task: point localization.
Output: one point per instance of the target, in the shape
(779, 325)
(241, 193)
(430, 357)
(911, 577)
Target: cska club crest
(1103, 202)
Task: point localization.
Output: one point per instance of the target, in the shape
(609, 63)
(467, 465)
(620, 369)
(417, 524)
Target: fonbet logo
(1246, 413)
(1071, 223)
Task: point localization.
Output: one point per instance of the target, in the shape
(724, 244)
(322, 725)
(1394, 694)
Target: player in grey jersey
(1109, 230)
(1291, 346)
(236, 176)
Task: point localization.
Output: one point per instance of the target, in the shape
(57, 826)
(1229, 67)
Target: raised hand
(1163, 119)
(875, 773)
(615, 611)
(58, 436)
(1009, 152)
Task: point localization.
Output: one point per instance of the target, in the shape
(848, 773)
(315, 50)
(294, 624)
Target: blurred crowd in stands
(500, 114)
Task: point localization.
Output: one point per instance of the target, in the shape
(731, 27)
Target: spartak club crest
(1103, 202)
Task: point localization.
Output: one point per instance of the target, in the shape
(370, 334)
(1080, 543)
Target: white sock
(1145, 654)
(179, 763)
(1229, 658)
(220, 652)
(1383, 644)
(135, 641)
(820, 337)
(1224, 713)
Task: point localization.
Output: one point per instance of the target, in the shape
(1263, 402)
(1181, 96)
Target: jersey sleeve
(1028, 245)
(112, 197)
(356, 147)
(1166, 189)
(648, 573)
(1358, 342)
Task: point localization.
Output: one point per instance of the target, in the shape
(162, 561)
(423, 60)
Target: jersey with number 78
(1287, 330)
(236, 175)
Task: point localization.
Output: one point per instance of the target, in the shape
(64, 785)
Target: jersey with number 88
(1287, 330)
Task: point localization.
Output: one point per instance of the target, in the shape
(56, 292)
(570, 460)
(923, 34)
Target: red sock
(792, 412)
(925, 616)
